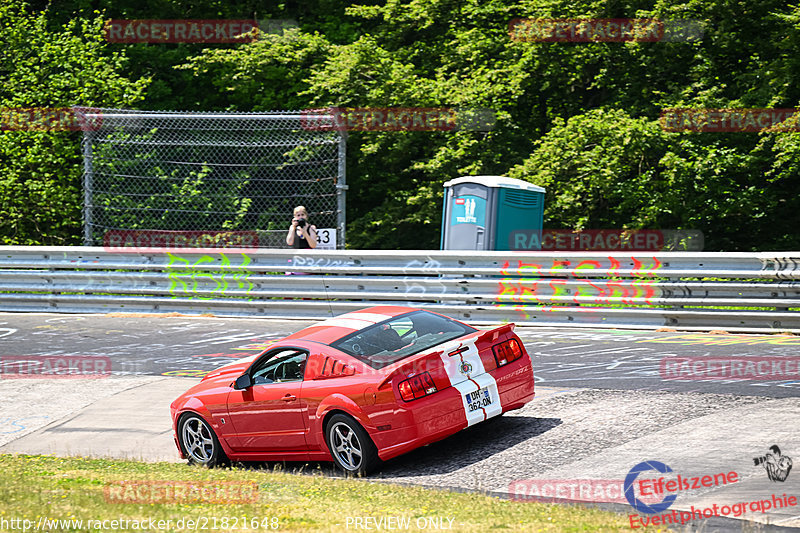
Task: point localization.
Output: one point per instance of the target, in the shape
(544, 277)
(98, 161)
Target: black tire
(351, 448)
(199, 442)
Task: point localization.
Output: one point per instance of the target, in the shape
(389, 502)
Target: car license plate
(479, 399)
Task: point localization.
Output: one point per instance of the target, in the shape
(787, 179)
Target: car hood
(231, 370)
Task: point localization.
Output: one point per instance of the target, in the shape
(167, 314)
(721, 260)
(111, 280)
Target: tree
(40, 170)
(581, 116)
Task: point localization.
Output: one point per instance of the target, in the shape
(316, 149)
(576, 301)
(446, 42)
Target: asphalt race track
(606, 400)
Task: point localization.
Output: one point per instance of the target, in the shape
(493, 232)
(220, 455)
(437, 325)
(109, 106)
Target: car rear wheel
(199, 443)
(352, 449)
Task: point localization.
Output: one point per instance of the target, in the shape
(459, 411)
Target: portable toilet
(492, 213)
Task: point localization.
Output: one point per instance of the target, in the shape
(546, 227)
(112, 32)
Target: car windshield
(404, 335)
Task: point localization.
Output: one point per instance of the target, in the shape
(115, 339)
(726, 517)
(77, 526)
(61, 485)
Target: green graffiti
(175, 277)
(242, 277)
(179, 269)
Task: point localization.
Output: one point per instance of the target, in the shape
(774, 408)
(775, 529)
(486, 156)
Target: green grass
(73, 488)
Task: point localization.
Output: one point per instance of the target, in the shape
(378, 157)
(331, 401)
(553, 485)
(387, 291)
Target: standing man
(301, 233)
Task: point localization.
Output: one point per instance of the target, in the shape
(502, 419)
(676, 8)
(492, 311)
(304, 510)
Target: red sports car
(356, 389)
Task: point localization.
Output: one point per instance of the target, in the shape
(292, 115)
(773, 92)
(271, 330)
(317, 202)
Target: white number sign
(326, 238)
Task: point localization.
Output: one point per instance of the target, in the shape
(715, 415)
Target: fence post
(341, 191)
(88, 175)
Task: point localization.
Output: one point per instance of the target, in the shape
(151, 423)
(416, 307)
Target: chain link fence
(210, 172)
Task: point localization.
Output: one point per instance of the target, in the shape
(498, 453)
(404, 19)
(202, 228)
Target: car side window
(281, 367)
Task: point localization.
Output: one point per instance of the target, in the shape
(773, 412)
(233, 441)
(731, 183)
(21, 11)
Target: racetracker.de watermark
(54, 366)
(180, 31)
(181, 492)
(723, 368)
(163, 240)
(397, 119)
(587, 30)
(49, 119)
(568, 490)
(736, 120)
(195, 523)
(606, 239)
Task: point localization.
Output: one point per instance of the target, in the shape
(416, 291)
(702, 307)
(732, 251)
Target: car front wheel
(200, 444)
(352, 449)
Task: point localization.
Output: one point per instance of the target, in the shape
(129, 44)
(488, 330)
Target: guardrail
(686, 290)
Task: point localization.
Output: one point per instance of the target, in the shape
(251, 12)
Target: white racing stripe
(468, 375)
(347, 323)
(354, 320)
(471, 388)
(371, 317)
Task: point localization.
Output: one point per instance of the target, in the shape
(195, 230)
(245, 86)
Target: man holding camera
(301, 233)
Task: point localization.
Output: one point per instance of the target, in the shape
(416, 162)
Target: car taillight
(416, 387)
(507, 351)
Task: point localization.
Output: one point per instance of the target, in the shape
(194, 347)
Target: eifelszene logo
(630, 495)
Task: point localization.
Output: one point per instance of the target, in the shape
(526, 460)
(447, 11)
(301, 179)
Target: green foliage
(265, 75)
(40, 171)
(578, 118)
(605, 169)
(600, 170)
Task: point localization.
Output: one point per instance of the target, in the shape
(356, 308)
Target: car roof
(333, 329)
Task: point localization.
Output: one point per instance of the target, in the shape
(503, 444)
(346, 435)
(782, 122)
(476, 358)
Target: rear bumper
(428, 426)
(443, 415)
(518, 389)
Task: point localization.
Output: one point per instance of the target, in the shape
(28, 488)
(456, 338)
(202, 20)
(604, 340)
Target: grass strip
(35, 488)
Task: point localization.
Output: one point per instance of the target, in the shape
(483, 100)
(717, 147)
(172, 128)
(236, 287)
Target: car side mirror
(243, 382)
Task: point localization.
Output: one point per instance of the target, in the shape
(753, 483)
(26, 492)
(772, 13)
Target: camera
(775, 452)
(301, 222)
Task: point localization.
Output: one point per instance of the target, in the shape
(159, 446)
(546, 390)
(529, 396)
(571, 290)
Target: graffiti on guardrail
(565, 268)
(430, 267)
(182, 274)
(518, 291)
(479, 286)
(318, 262)
(634, 292)
(783, 267)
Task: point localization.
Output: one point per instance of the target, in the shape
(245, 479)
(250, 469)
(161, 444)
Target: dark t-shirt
(300, 241)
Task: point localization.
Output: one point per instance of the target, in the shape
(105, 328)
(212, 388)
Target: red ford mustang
(356, 389)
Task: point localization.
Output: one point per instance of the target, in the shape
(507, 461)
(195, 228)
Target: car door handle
(289, 398)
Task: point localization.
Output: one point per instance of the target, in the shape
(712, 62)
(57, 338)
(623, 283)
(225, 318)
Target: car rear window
(390, 341)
